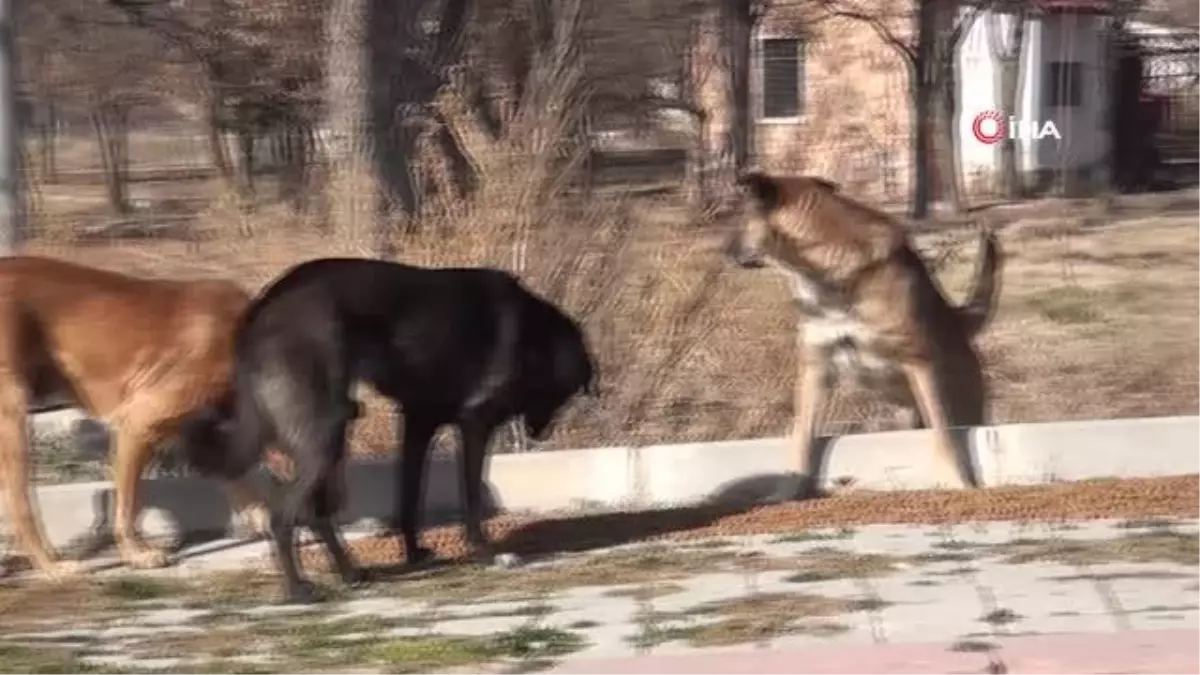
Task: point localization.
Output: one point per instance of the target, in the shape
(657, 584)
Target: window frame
(1064, 84)
(760, 65)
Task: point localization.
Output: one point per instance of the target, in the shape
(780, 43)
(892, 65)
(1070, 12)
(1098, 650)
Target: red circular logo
(989, 126)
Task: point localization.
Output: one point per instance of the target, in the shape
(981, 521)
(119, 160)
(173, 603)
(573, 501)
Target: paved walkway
(1096, 596)
(1161, 651)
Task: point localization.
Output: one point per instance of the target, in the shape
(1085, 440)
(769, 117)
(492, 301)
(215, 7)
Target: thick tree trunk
(48, 142)
(397, 93)
(698, 154)
(949, 166)
(922, 107)
(352, 188)
(246, 148)
(297, 157)
(922, 69)
(216, 141)
(112, 134)
(737, 29)
(1007, 51)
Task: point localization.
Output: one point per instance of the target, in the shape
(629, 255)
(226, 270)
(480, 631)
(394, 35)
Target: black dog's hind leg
(296, 589)
(325, 507)
(475, 438)
(418, 433)
(303, 497)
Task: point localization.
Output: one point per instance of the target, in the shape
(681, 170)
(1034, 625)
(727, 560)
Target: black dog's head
(556, 365)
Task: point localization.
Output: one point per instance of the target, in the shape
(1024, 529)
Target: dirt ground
(1134, 499)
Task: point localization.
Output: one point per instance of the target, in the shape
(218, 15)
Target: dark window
(1064, 84)
(782, 70)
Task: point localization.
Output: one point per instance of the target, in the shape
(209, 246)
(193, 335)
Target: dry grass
(1097, 319)
(1143, 547)
(752, 618)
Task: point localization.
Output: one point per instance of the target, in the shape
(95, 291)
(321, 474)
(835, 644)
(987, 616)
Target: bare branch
(906, 50)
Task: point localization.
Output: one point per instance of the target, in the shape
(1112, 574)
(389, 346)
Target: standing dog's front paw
(303, 592)
(794, 487)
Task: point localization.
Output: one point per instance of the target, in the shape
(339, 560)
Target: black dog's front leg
(411, 468)
(352, 575)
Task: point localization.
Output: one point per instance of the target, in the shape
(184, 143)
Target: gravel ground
(1085, 500)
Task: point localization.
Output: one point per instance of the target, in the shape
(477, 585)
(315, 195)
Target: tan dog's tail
(977, 311)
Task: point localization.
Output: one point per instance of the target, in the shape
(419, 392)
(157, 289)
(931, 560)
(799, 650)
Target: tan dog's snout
(744, 246)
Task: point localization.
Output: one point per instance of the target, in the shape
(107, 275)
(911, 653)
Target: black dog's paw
(357, 578)
(303, 593)
(418, 555)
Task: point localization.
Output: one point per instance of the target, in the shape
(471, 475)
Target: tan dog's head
(760, 201)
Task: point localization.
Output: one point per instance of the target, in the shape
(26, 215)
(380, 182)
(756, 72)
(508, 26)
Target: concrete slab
(650, 477)
(946, 618)
(1077, 450)
(1128, 652)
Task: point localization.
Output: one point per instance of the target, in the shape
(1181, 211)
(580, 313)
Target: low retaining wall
(686, 474)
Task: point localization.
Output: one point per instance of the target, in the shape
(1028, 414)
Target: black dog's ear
(762, 189)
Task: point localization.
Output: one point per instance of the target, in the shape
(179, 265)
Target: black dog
(471, 347)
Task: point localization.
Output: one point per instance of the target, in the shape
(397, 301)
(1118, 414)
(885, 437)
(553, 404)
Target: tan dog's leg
(14, 471)
(925, 390)
(810, 387)
(252, 518)
(131, 449)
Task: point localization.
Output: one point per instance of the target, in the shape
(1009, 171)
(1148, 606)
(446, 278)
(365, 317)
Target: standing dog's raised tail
(980, 306)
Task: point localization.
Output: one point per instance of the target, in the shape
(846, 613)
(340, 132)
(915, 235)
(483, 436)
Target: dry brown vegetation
(1097, 318)
(489, 158)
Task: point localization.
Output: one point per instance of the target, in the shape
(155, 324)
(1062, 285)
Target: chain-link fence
(569, 143)
(585, 146)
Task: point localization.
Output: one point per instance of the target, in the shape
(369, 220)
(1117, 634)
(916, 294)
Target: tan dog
(869, 309)
(139, 354)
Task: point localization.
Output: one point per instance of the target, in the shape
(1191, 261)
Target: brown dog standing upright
(140, 354)
(869, 309)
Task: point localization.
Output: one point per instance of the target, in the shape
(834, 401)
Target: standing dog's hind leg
(14, 472)
(948, 465)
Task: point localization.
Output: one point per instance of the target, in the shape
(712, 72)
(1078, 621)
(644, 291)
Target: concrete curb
(662, 476)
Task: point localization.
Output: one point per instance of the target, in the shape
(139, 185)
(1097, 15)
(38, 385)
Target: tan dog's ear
(824, 183)
(762, 189)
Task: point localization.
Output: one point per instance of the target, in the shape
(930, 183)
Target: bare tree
(74, 65)
(1007, 48)
(737, 21)
(929, 51)
(258, 71)
(524, 87)
(347, 68)
(11, 221)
